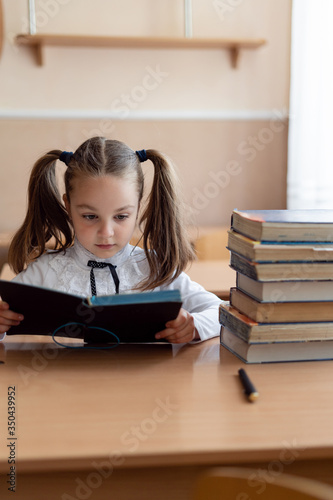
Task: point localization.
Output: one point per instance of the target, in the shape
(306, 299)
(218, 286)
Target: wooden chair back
(234, 483)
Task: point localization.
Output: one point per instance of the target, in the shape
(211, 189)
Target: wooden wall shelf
(39, 41)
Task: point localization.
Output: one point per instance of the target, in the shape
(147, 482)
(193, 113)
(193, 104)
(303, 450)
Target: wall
(226, 129)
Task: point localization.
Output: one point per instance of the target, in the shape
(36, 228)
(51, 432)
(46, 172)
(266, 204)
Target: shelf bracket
(35, 44)
(39, 54)
(234, 55)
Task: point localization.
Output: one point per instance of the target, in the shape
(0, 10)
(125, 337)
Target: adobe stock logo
(259, 479)
(223, 7)
(131, 440)
(48, 9)
(126, 102)
(247, 151)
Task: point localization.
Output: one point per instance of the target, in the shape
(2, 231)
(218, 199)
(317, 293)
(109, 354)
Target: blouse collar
(82, 255)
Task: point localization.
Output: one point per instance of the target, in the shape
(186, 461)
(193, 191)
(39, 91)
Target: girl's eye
(89, 217)
(121, 217)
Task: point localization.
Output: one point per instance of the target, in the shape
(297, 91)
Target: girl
(92, 229)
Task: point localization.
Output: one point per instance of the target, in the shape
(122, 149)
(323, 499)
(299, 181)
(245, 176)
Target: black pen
(249, 389)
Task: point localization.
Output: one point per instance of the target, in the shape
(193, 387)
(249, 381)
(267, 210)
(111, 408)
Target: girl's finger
(11, 315)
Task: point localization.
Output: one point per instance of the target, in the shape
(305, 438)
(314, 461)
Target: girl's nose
(106, 229)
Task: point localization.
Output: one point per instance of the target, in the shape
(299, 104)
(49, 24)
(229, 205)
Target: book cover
(133, 317)
(279, 252)
(285, 291)
(276, 352)
(281, 312)
(284, 225)
(281, 271)
(253, 332)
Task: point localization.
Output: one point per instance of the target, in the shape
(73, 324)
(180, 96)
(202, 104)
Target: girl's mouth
(105, 247)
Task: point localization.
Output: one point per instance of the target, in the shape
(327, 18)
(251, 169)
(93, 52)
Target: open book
(131, 317)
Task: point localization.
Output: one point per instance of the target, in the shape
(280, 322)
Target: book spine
(234, 324)
(243, 266)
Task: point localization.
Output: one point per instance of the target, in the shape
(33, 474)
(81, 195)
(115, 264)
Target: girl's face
(103, 211)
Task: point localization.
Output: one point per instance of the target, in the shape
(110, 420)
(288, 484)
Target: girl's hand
(179, 330)
(8, 318)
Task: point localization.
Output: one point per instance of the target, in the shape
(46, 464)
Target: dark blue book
(131, 317)
(282, 271)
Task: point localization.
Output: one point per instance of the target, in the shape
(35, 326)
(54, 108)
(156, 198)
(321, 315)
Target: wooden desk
(6, 273)
(214, 275)
(142, 421)
(209, 242)
(5, 239)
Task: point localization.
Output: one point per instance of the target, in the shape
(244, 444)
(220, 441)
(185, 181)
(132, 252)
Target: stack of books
(281, 308)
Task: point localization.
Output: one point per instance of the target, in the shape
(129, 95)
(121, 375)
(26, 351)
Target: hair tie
(66, 157)
(142, 155)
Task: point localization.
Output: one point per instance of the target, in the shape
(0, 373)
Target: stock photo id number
(11, 438)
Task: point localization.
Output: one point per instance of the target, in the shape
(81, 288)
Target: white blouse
(68, 272)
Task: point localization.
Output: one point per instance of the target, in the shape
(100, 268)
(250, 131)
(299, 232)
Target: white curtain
(310, 154)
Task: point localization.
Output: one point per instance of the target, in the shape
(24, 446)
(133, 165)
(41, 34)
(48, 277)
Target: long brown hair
(166, 246)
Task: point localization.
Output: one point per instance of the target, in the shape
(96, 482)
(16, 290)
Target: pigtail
(167, 248)
(46, 216)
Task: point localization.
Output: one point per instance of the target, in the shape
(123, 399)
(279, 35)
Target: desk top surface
(214, 275)
(158, 405)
